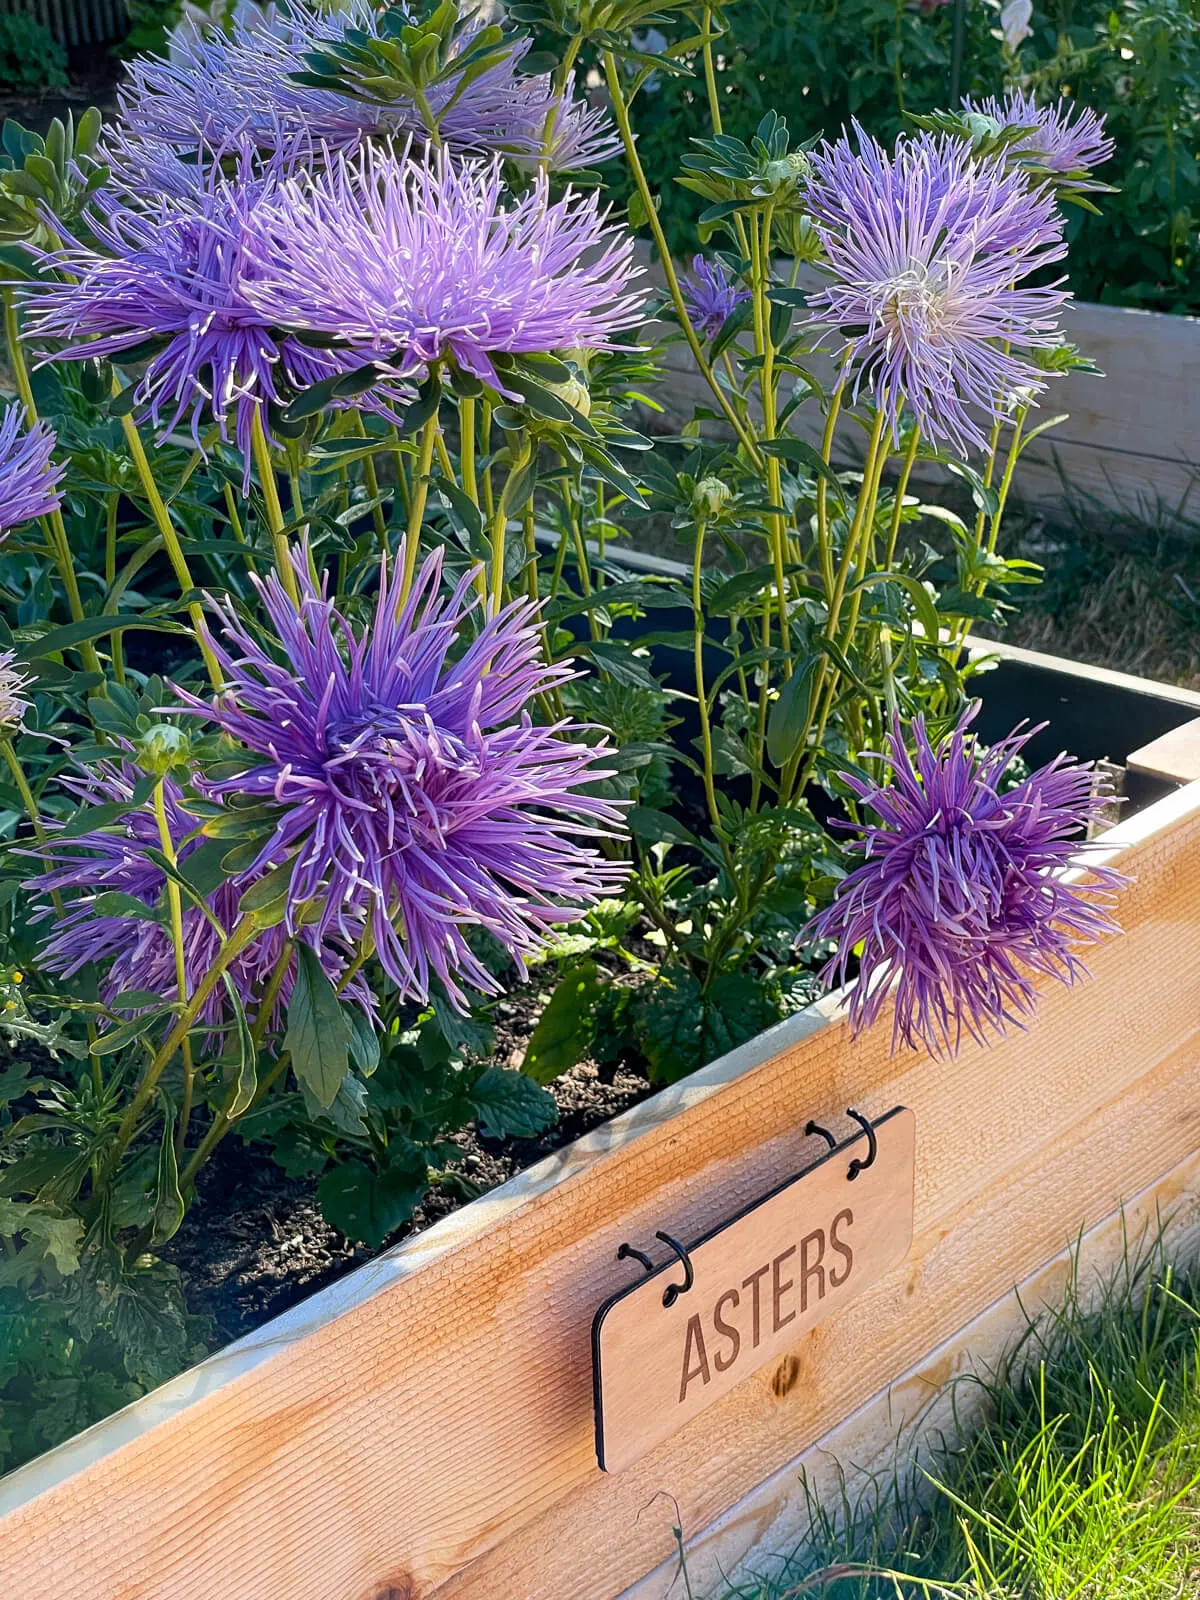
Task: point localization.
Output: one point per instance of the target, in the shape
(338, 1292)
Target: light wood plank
(1175, 757)
(906, 1423)
(438, 1430)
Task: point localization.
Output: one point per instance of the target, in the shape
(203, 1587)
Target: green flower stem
(416, 509)
(714, 112)
(31, 811)
(910, 455)
(710, 792)
(241, 936)
(824, 545)
(166, 528)
(989, 473)
(175, 905)
(116, 639)
(1014, 451)
(235, 522)
(52, 525)
(500, 530)
(765, 348)
(224, 1120)
(561, 74)
(466, 449)
(270, 994)
(275, 519)
(621, 111)
(371, 483)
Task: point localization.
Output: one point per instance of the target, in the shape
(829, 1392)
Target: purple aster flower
(433, 259)
(29, 477)
(220, 84)
(413, 786)
(711, 296)
(1065, 140)
(172, 270)
(927, 250)
(963, 893)
(141, 955)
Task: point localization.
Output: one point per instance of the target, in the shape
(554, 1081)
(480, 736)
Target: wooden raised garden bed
(426, 1424)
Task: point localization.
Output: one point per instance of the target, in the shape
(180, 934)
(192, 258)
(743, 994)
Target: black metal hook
(815, 1127)
(857, 1166)
(673, 1290)
(627, 1252)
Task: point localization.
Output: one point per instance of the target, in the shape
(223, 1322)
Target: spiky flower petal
(427, 259)
(1066, 140)
(29, 477)
(13, 704)
(711, 296)
(218, 84)
(135, 954)
(413, 786)
(963, 895)
(927, 250)
(170, 274)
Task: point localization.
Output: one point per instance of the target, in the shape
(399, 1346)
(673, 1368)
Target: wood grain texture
(428, 1421)
(904, 1426)
(1175, 757)
(758, 1284)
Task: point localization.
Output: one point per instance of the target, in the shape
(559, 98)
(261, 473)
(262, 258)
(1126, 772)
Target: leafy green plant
(31, 58)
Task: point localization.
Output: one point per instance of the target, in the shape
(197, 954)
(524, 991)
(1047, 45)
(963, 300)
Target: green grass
(1081, 1480)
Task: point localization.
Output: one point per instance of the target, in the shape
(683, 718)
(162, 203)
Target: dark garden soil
(254, 1241)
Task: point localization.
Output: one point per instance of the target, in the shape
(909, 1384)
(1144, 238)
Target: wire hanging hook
(815, 1127)
(626, 1252)
(673, 1290)
(857, 1166)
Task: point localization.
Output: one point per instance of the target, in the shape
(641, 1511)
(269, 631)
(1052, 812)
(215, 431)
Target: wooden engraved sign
(761, 1281)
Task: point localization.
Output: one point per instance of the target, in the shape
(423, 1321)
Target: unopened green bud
(162, 747)
(710, 497)
(576, 393)
(789, 172)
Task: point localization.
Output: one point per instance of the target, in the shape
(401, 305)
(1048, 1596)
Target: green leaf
(317, 1035)
(619, 661)
(800, 452)
(364, 1041)
(657, 827)
(247, 1080)
(168, 1201)
(791, 713)
(510, 1105)
(113, 1039)
(564, 1030)
(73, 633)
(369, 1205)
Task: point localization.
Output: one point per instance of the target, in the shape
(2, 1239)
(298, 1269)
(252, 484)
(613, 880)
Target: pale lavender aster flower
(962, 896)
(432, 259)
(711, 296)
(13, 683)
(218, 84)
(140, 955)
(1065, 140)
(29, 476)
(167, 277)
(926, 250)
(414, 787)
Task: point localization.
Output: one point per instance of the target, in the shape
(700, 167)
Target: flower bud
(788, 173)
(710, 497)
(162, 747)
(576, 393)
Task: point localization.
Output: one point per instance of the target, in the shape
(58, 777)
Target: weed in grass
(1070, 1472)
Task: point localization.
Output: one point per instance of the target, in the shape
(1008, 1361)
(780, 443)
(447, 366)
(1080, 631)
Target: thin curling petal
(410, 782)
(926, 251)
(222, 83)
(174, 271)
(1065, 140)
(430, 259)
(963, 896)
(29, 477)
(140, 955)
